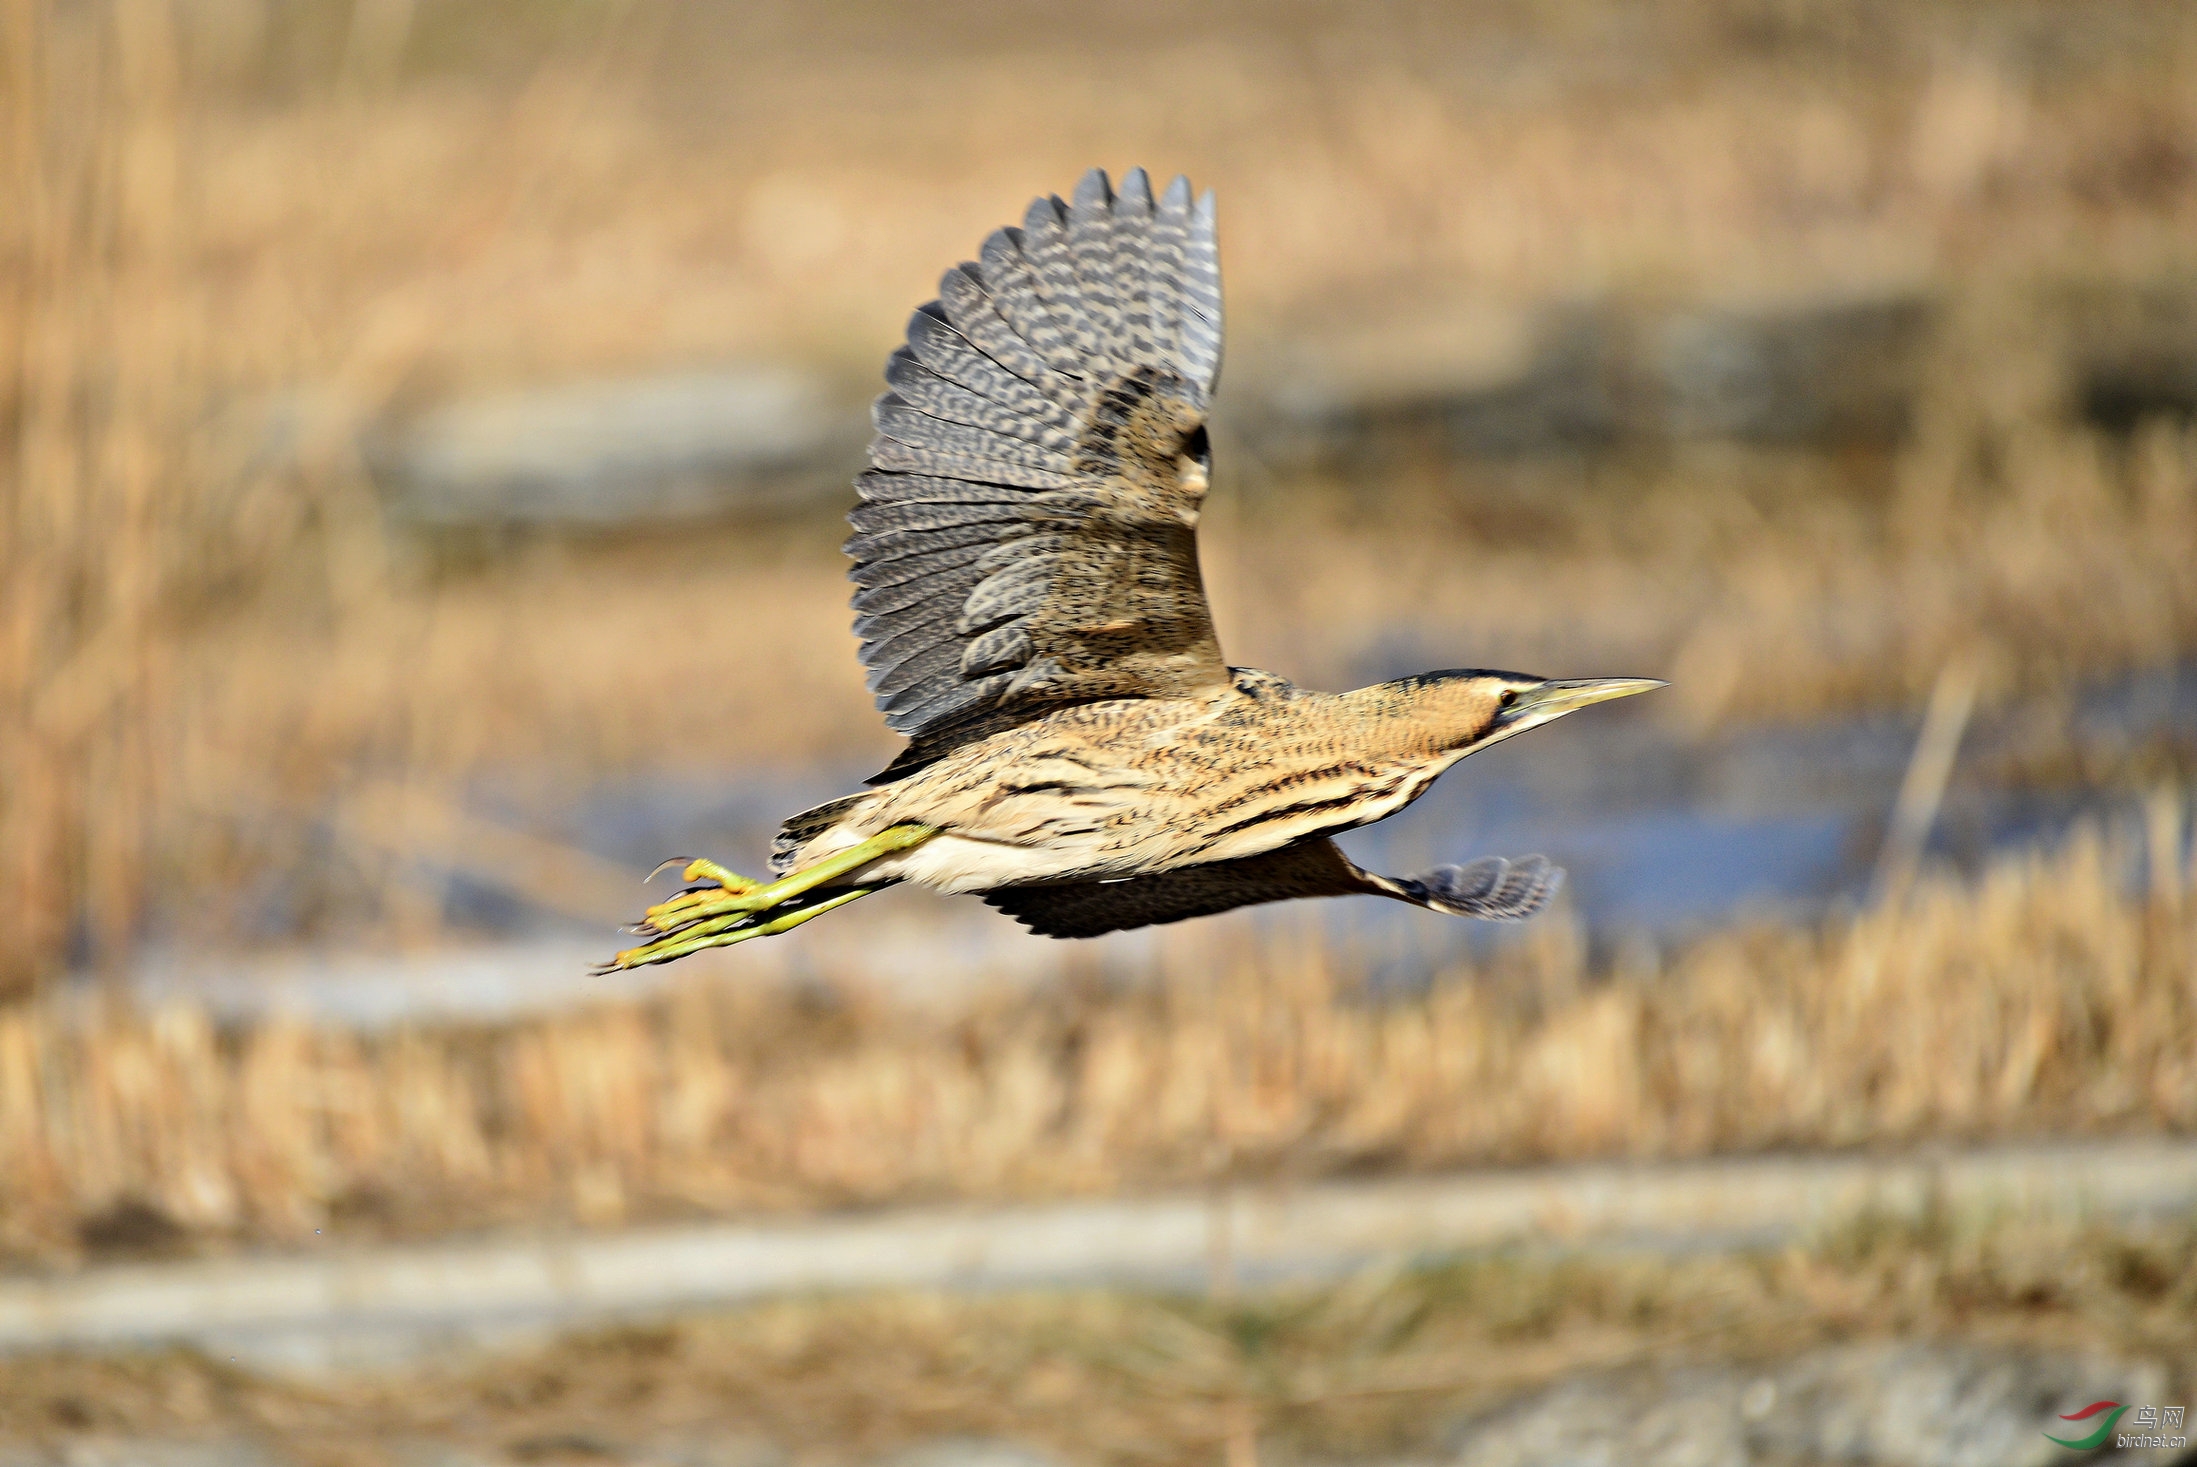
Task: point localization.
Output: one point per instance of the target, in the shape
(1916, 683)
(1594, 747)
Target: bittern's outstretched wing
(1027, 531)
(1490, 888)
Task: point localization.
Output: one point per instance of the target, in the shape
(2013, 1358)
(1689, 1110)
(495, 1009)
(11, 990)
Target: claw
(664, 865)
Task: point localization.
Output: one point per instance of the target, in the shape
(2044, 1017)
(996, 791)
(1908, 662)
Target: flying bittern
(1031, 616)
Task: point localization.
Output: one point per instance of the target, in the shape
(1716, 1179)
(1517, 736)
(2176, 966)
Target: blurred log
(610, 453)
(1823, 373)
(2132, 353)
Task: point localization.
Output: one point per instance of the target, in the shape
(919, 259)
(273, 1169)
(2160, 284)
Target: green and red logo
(2097, 1438)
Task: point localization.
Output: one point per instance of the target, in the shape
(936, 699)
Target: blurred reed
(2056, 995)
(121, 535)
(90, 234)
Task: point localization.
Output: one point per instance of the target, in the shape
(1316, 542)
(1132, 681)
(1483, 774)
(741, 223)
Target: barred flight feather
(1013, 284)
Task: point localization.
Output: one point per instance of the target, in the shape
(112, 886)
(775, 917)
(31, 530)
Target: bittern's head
(1467, 709)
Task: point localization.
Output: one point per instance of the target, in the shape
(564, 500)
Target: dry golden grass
(242, 215)
(1373, 1368)
(2047, 1000)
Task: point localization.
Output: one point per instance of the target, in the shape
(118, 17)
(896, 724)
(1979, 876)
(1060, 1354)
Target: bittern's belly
(959, 863)
(1021, 834)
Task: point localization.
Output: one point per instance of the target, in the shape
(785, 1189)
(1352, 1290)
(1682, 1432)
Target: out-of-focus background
(426, 429)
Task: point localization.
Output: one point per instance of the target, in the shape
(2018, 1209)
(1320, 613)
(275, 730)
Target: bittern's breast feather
(1027, 531)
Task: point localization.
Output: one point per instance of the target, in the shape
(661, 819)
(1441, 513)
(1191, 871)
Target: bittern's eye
(1510, 696)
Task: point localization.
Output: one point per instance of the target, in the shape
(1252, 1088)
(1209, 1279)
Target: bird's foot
(697, 900)
(701, 868)
(724, 931)
(734, 908)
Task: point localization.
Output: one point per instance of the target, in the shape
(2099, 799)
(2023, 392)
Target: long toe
(703, 869)
(689, 907)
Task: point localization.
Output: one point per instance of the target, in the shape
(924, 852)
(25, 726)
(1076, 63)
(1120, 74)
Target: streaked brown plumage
(1031, 615)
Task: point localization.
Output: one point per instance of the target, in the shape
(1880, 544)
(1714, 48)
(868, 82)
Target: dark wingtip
(1093, 191)
(1043, 215)
(1491, 888)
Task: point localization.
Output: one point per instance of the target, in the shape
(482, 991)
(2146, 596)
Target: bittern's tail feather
(800, 829)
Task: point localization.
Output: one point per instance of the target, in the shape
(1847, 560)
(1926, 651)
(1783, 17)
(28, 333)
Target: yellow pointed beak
(1552, 700)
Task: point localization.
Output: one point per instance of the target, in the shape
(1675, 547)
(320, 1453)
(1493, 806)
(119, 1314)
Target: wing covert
(1028, 525)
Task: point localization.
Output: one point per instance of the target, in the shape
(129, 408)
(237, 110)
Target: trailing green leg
(725, 931)
(696, 906)
(737, 910)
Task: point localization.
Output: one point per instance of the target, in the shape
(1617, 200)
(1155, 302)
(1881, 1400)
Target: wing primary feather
(1306, 868)
(921, 387)
(979, 536)
(1201, 295)
(905, 423)
(1166, 270)
(969, 308)
(918, 664)
(945, 583)
(918, 516)
(1045, 247)
(877, 628)
(1132, 254)
(935, 343)
(900, 567)
(879, 486)
(1490, 888)
(1091, 244)
(891, 453)
(1020, 299)
(926, 705)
